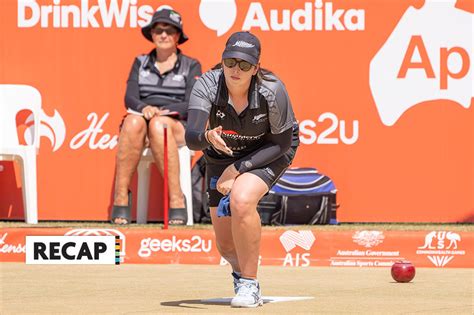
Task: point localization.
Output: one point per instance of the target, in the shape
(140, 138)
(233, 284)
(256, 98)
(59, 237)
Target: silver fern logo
(243, 44)
(175, 17)
(220, 114)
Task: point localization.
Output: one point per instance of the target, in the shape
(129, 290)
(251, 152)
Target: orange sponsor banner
(382, 91)
(286, 248)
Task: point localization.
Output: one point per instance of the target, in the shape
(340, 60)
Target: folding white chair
(144, 183)
(13, 99)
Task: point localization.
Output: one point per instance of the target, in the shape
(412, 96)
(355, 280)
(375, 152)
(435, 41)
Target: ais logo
(87, 250)
(293, 239)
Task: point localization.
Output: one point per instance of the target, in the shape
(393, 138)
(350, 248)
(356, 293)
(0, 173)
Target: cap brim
(146, 30)
(240, 55)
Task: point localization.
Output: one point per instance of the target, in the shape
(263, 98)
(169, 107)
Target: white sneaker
(248, 294)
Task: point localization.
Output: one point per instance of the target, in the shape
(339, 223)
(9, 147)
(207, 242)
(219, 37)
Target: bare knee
(133, 126)
(241, 205)
(131, 140)
(156, 128)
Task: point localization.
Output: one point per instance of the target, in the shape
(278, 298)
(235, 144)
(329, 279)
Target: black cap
(167, 16)
(243, 45)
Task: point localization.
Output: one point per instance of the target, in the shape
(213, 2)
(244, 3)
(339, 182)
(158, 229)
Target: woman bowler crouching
(250, 140)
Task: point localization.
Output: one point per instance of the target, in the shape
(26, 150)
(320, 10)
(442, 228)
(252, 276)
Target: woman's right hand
(214, 137)
(150, 111)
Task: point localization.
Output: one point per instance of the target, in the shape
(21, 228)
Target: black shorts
(269, 173)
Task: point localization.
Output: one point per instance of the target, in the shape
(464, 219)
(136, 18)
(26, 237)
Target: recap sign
(70, 250)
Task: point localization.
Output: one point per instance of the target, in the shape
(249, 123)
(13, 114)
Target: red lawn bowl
(403, 271)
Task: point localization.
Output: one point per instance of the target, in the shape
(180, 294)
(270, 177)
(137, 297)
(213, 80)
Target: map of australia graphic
(428, 56)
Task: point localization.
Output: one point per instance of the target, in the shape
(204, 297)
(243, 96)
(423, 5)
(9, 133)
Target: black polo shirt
(170, 90)
(269, 110)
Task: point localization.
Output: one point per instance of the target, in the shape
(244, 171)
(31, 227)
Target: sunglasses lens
(230, 62)
(245, 66)
(169, 31)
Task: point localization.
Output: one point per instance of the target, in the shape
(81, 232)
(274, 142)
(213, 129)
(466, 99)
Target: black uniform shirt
(171, 90)
(269, 111)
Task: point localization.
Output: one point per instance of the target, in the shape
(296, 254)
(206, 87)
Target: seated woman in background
(158, 90)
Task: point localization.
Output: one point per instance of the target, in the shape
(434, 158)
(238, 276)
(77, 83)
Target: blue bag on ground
(300, 196)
